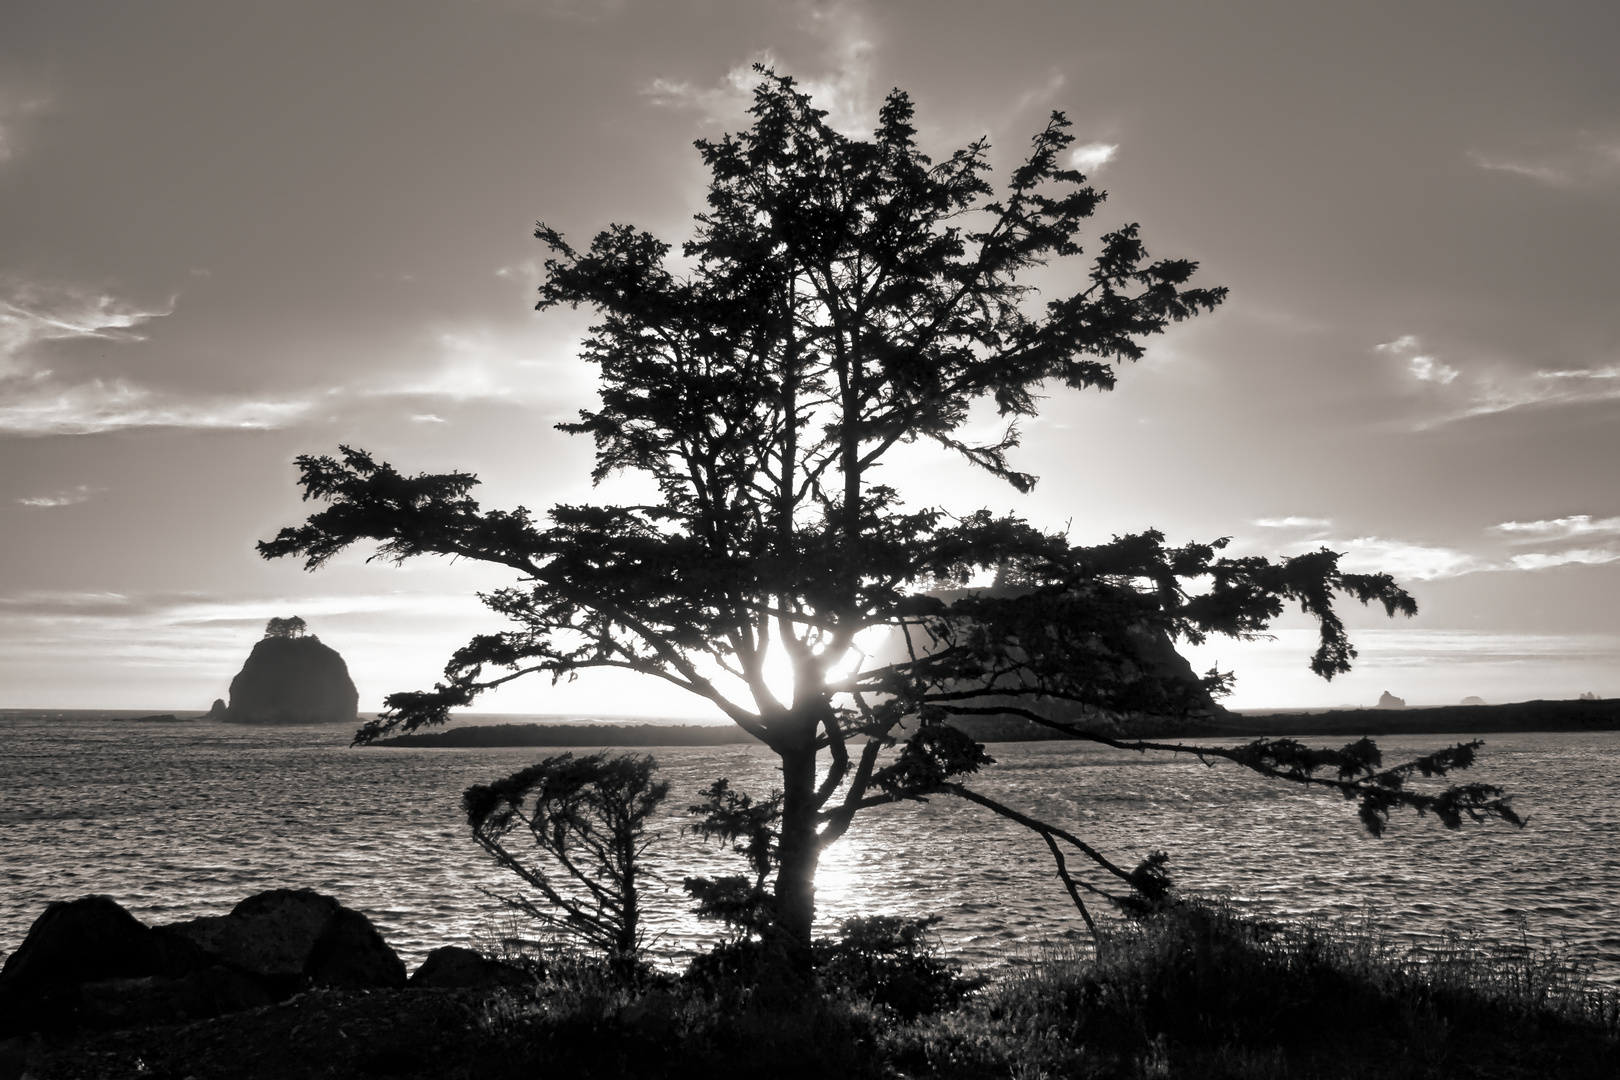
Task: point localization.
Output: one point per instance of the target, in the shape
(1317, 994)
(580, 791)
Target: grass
(1199, 991)
(1193, 991)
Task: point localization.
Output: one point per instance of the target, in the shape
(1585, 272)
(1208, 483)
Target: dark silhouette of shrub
(588, 819)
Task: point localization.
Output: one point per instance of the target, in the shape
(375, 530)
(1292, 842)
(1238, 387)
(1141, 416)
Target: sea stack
(291, 678)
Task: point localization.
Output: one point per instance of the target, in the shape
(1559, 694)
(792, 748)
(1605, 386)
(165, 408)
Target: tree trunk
(796, 874)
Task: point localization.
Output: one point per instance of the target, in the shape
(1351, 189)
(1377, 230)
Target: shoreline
(1575, 715)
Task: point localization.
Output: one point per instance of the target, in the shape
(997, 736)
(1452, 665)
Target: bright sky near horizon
(232, 233)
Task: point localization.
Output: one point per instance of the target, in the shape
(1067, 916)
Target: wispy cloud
(1421, 367)
(1506, 392)
(15, 110)
(843, 88)
(1428, 369)
(1545, 560)
(69, 497)
(1564, 528)
(1292, 522)
(1091, 157)
(1405, 559)
(40, 407)
(1561, 530)
(1580, 159)
(31, 315)
(529, 365)
(35, 400)
(1499, 389)
(197, 608)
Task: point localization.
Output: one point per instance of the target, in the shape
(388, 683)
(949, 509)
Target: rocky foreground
(290, 983)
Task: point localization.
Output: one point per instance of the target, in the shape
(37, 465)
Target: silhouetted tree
(285, 628)
(840, 297)
(744, 903)
(588, 818)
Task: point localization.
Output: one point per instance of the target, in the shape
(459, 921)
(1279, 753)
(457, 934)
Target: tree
(588, 816)
(285, 628)
(841, 297)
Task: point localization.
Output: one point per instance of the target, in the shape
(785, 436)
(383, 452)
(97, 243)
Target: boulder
(72, 943)
(293, 680)
(451, 967)
(288, 939)
(90, 964)
(349, 954)
(267, 935)
(93, 938)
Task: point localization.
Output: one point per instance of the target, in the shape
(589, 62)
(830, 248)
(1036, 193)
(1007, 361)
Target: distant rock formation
(218, 711)
(1387, 700)
(1471, 700)
(291, 678)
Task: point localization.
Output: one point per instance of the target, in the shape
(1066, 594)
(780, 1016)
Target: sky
(234, 233)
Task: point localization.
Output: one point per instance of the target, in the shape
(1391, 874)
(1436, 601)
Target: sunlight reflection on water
(175, 821)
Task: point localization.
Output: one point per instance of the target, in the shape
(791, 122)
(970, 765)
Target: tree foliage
(588, 819)
(839, 298)
(285, 628)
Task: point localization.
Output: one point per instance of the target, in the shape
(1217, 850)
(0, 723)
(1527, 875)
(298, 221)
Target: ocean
(179, 820)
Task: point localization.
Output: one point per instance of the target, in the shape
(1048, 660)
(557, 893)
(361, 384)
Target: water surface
(179, 820)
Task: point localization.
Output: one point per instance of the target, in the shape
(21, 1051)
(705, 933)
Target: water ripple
(185, 820)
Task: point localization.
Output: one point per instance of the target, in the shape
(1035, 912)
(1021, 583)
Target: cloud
(843, 89)
(31, 315)
(728, 100)
(1408, 560)
(534, 364)
(1428, 369)
(1422, 368)
(15, 110)
(1505, 392)
(34, 400)
(1579, 556)
(1403, 559)
(1581, 159)
(1091, 157)
(1564, 528)
(203, 609)
(1292, 523)
(40, 407)
(1488, 392)
(1561, 529)
(69, 497)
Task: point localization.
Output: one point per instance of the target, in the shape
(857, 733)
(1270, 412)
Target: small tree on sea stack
(842, 297)
(285, 628)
